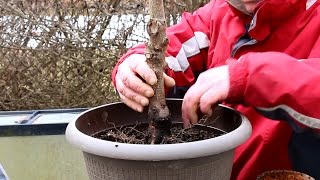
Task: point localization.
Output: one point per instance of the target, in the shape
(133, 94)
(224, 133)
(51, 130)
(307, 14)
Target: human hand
(133, 80)
(211, 87)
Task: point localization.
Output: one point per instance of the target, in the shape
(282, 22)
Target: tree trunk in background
(158, 111)
(193, 5)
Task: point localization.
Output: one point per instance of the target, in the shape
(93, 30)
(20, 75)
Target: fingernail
(152, 81)
(144, 102)
(186, 125)
(139, 109)
(149, 93)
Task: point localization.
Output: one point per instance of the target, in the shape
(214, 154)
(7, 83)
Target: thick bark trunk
(158, 112)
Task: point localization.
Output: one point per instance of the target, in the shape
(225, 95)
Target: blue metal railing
(33, 123)
(32, 114)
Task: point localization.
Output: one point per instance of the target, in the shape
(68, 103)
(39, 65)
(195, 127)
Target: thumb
(168, 81)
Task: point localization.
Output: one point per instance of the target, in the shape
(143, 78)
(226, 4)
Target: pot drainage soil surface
(138, 134)
(284, 175)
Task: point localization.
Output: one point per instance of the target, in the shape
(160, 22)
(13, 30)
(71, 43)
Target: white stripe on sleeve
(189, 48)
(301, 118)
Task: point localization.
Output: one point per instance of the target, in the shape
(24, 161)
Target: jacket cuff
(238, 74)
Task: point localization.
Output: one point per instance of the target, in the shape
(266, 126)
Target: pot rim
(158, 152)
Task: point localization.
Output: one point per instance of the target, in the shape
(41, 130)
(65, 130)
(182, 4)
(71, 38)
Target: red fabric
(286, 32)
(266, 149)
(285, 81)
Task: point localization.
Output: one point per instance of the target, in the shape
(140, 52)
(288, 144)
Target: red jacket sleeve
(278, 86)
(187, 49)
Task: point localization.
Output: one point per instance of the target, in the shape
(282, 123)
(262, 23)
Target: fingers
(190, 106)
(168, 81)
(211, 87)
(131, 81)
(143, 70)
(129, 96)
(132, 104)
(208, 100)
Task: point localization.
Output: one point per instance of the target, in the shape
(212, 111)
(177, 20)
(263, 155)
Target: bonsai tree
(158, 111)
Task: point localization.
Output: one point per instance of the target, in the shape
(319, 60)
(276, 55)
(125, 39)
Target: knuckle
(204, 100)
(201, 78)
(205, 103)
(142, 66)
(122, 90)
(138, 88)
(126, 79)
(133, 64)
(134, 96)
(188, 99)
(123, 99)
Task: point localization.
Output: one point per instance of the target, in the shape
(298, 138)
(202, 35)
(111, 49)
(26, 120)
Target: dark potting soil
(138, 134)
(283, 175)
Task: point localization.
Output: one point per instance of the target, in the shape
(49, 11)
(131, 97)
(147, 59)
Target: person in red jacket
(260, 56)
